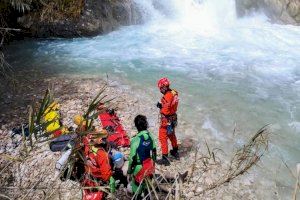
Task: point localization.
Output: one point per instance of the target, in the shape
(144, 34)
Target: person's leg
(88, 195)
(174, 151)
(136, 188)
(173, 140)
(163, 139)
(91, 194)
(118, 175)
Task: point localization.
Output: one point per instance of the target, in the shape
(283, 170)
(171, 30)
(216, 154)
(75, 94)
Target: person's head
(99, 141)
(101, 107)
(78, 120)
(118, 159)
(141, 123)
(163, 84)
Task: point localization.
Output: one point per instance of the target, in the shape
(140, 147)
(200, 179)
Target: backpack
(62, 142)
(148, 167)
(175, 101)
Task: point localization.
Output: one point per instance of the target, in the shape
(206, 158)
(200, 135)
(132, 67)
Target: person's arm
(103, 161)
(154, 152)
(154, 142)
(166, 104)
(133, 147)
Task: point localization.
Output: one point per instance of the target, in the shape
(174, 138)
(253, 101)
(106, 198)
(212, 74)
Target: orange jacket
(86, 144)
(98, 164)
(169, 103)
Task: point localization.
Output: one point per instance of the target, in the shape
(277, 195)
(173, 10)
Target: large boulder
(284, 11)
(96, 17)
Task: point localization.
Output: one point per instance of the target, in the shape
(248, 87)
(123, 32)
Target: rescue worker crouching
(82, 127)
(98, 171)
(168, 108)
(118, 161)
(142, 155)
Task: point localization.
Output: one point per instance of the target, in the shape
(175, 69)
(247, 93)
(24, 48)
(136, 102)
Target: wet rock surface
(282, 11)
(97, 17)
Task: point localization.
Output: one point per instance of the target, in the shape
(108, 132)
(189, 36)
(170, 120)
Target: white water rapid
(230, 71)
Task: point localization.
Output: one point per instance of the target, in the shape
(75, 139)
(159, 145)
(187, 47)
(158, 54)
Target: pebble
(227, 198)
(199, 189)
(130, 107)
(190, 195)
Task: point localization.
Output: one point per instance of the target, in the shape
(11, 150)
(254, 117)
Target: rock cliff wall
(96, 17)
(283, 11)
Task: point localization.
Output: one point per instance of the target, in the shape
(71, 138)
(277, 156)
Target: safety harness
(172, 119)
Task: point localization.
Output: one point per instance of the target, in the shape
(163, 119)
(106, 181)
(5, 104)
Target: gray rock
(227, 197)
(199, 189)
(190, 195)
(98, 17)
(282, 11)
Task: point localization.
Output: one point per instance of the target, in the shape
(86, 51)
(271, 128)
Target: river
(230, 72)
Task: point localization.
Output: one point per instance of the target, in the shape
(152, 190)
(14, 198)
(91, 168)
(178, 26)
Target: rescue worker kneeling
(98, 171)
(142, 156)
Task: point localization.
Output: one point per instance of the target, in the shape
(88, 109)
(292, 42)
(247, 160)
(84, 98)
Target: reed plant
(243, 159)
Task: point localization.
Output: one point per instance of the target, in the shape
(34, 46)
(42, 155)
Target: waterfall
(201, 13)
(228, 70)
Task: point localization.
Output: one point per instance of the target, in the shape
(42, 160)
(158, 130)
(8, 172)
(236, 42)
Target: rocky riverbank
(77, 18)
(36, 177)
(283, 11)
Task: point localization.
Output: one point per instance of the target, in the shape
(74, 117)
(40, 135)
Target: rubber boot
(174, 153)
(164, 161)
(183, 176)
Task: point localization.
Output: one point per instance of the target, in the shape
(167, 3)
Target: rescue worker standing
(142, 155)
(168, 108)
(98, 171)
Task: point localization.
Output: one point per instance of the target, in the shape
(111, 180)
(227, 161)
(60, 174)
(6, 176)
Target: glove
(154, 155)
(159, 105)
(111, 111)
(112, 184)
(129, 171)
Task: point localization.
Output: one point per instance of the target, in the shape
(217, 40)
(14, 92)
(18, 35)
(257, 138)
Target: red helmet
(163, 82)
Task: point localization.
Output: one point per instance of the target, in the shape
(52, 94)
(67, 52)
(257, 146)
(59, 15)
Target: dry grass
(6, 70)
(19, 5)
(297, 184)
(209, 165)
(38, 138)
(242, 160)
(59, 10)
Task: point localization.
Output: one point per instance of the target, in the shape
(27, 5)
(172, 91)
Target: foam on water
(234, 71)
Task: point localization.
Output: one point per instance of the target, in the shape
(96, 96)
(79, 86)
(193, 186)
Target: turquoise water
(229, 71)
